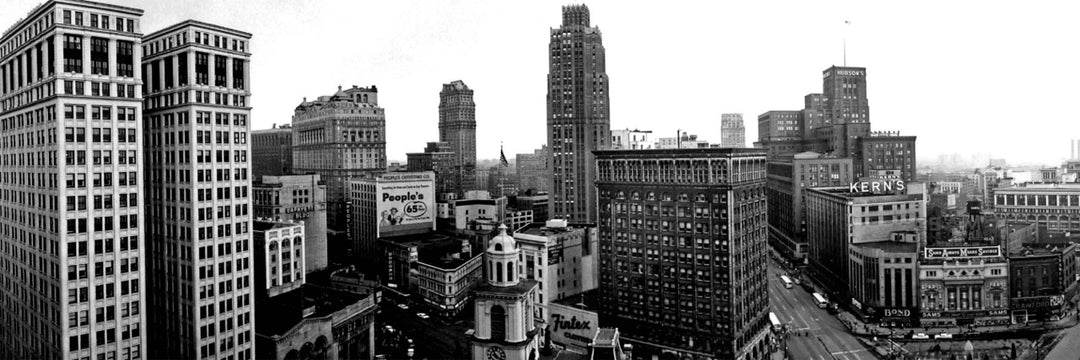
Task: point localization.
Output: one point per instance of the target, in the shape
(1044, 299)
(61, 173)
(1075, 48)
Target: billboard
(405, 201)
(570, 326)
(981, 251)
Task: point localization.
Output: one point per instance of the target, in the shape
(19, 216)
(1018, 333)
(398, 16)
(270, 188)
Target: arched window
(491, 274)
(498, 323)
(510, 271)
(498, 273)
(498, 247)
(297, 241)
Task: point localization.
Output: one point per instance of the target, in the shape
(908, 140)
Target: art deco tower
(578, 120)
(457, 126)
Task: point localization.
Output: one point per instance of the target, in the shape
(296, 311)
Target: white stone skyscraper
(732, 131)
(71, 230)
(578, 120)
(198, 208)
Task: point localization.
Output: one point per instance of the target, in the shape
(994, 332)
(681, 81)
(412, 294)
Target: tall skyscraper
(846, 108)
(457, 126)
(683, 250)
(732, 131)
(199, 237)
(341, 137)
(578, 121)
(71, 230)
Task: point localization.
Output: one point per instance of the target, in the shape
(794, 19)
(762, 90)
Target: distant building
(683, 141)
(532, 170)
(478, 205)
(271, 151)
(298, 198)
(732, 131)
(315, 323)
(440, 269)
(1043, 281)
(863, 212)
(780, 132)
(789, 176)
(279, 256)
(670, 216)
(391, 204)
(562, 257)
(517, 219)
(457, 127)
(438, 158)
(1055, 206)
(626, 139)
(885, 151)
(341, 137)
(535, 201)
(502, 180)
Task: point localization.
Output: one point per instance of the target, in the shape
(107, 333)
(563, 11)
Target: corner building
(578, 120)
(197, 123)
(683, 250)
(70, 223)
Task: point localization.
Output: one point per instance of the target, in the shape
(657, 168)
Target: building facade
(446, 276)
(388, 205)
(682, 239)
(884, 280)
(279, 256)
(341, 137)
(437, 158)
(533, 170)
(1055, 206)
(578, 120)
(838, 217)
(626, 139)
(328, 324)
(199, 251)
(271, 151)
(297, 198)
(561, 257)
(788, 179)
(71, 233)
(457, 127)
(732, 131)
(1043, 280)
(960, 286)
(885, 152)
(505, 310)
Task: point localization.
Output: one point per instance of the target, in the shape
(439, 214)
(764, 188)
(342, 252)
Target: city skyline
(498, 49)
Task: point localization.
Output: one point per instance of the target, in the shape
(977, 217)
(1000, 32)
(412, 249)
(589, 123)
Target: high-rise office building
(732, 131)
(578, 120)
(199, 254)
(789, 177)
(683, 249)
(71, 230)
(341, 137)
(885, 155)
(271, 151)
(846, 108)
(457, 126)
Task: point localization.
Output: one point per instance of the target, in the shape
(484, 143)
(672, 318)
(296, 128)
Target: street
(814, 333)
(433, 339)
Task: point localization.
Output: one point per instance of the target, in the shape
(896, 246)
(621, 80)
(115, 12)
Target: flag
(502, 157)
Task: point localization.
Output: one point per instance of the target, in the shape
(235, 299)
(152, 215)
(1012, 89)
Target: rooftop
(890, 246)
(541, 229)
(264, 224)
(522, 287)
(440, 253)
(289, 308)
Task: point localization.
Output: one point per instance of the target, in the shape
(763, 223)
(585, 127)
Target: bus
(776, 326)
(786, 280)
(821, 302)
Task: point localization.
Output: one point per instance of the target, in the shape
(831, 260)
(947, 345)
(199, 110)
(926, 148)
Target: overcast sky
(964, 76)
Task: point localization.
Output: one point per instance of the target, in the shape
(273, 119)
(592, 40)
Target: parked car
(403, 306)
(422, 315)
(943, 336)
(920, 336)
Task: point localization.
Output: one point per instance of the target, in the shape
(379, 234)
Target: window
(73, 54)
(99, 55)
(202, 68)
(498, 323)
(125, 65)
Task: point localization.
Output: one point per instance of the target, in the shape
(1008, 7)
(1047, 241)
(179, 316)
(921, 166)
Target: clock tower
(505, 324)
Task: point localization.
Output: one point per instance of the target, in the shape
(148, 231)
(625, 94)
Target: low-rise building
(1043, 281)
(963, 285)
(297, 198)
(561, 256)
(517, 219)
(1054, 206)
(315, 323)
(884, 282)
(279, 256)
(445, 275)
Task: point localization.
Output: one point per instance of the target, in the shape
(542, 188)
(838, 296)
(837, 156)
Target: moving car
(403, 306)
(920, 336)
(943, 336)
(422, 315)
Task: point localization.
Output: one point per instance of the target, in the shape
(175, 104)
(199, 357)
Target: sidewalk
(857, 327)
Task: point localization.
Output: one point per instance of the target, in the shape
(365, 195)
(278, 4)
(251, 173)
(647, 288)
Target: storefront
(973, 318)
(1037, 308)
(892, 316)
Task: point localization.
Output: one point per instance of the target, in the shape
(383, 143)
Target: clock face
(495, 353)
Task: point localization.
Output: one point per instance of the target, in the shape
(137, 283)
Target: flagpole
(846, 22)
